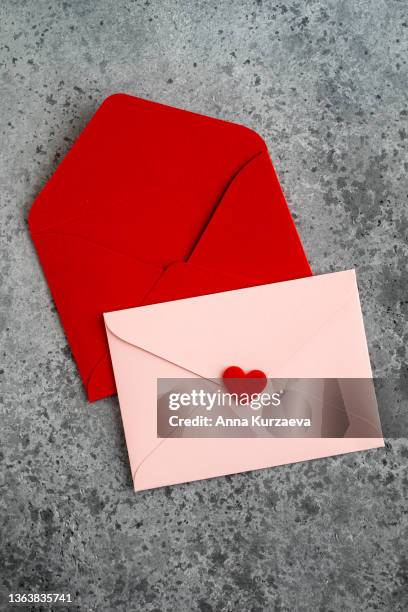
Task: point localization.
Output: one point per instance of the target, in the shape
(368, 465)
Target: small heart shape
(238, 382)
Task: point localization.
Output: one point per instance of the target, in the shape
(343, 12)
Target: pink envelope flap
(265, 327)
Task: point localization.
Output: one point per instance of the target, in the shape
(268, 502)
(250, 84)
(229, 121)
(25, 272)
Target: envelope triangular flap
(133, 152)
(251, 232)
(206, 334)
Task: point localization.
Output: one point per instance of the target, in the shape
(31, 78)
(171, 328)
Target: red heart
(238, 382)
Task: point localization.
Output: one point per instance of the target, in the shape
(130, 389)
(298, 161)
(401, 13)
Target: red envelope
(152, 204)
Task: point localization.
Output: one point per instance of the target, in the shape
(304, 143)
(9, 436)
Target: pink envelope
(306, 328)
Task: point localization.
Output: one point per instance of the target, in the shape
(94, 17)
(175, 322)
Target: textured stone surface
(325, 83)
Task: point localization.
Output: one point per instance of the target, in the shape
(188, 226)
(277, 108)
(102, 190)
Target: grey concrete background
(325, 83)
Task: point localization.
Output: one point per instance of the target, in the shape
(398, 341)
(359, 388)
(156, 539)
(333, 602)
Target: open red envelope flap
(154, 204)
